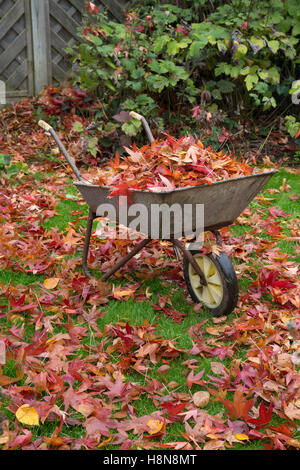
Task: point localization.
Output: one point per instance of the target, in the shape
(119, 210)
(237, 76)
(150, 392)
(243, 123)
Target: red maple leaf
(264, 416)
(122, 189)
(201, 169)
(174, 410)
(267, 280)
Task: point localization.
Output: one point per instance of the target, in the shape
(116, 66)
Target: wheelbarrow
(210, 279)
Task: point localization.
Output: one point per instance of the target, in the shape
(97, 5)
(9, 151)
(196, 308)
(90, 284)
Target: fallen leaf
(155, 426)
(2, 353)
(285, 187)
(27, 415)
(51, 283)
(214, 444)
(217, 368)
(241, 437)
(121, 293)
(201, 399)
(4, 439)
(162, 370)
(292, 411)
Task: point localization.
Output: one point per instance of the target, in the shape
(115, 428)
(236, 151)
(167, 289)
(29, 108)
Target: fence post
(40, 24)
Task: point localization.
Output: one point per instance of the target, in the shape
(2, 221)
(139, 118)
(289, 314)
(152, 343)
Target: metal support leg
(85, 253)
(177, 253)
(125, 260)
(191, 259)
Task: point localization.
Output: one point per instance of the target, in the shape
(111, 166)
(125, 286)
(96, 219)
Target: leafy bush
(292, 126)
(4, 161)
(165, 60)
(11, 169)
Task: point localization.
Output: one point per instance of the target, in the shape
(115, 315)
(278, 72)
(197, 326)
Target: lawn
(116, 365)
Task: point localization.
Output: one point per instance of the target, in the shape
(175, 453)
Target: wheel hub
(212, 294)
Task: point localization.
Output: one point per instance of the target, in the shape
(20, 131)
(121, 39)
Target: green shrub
(239, 55)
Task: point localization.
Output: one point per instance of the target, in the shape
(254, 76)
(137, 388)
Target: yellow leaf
(148, 293)
(104, 443)
(27, 415)
(51, 283)
(4, 439)
(241, 437)
(71, 237)
(155, 426)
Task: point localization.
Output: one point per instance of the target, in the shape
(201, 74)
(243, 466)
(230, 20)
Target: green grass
(16, 278)
(282, 199)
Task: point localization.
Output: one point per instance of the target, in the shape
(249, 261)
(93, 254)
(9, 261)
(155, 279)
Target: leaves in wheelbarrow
(167, 165)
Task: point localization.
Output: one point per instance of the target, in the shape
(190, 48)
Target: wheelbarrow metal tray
(223, 201)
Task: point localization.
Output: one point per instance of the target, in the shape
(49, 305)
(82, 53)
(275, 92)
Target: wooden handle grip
(44, 125)
(136, 115)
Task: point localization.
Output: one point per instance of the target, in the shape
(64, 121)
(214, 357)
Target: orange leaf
(121, 293)
(51, 283)
(4, 380)
(298, 134)
(240, 406)
(157, 427)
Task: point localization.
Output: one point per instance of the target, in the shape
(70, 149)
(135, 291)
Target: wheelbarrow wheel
(221, 293)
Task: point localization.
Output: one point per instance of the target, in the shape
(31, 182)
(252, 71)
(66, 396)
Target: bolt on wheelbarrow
(210, 279)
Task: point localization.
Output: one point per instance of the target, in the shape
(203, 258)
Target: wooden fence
(33, 38)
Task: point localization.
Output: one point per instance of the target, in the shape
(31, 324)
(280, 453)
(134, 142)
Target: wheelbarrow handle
(141, 118)
(44, 125)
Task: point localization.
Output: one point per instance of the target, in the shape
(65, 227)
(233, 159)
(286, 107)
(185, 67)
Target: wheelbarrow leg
(85, 253)
(125, 260)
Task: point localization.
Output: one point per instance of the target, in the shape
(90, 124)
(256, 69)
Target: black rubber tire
(229, 282)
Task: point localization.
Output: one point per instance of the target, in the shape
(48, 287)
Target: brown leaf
(162, 370)
(2, 353)
(285, 187)
(217, 368)
(201, 399)
(292, 411)
(294, 197)
(215, 444)
(217, 320)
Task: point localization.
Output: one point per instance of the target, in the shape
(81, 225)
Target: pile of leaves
(166, 165)
(70, 111)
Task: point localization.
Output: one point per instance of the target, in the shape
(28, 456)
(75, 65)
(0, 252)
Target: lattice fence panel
(65, 17)
(33, 37)
(15, 48)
